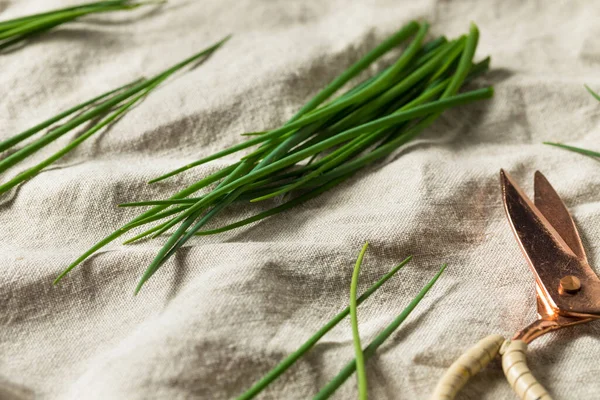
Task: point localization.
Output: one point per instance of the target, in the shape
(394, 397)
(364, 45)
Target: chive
(361, 373)
(8, 143)
(370, 350)
(148, 214)
(276, 210)
(172, 242)
(17, 29)
(306, 346)
(180, 236)
(144, 234)
(400, 36)
(380, 123)
(415, 77)
(596, 96)
(340, 155)
(354, 70)
(333, 159)
(373, 89)
(586, 152)
(465, 62)
(31, 172)
(31, 148)
(458, 78)
(160, 202)
(182, 194)
(156, 217)
(17, 21)
(579, 150)
(8, 43)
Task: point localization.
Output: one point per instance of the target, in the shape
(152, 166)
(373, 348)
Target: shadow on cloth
(10, 391)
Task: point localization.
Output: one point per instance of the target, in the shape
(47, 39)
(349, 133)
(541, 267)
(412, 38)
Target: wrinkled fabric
(227, 308)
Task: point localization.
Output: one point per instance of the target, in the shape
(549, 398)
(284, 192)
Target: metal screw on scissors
(567, 289)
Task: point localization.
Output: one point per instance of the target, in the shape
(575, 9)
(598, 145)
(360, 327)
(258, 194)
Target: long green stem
(380, 84)
(16, 21)
(462, 71)
(358, 144)
(8, 143)
(370, 350)
(99, 110)
(579, 150)
(31, 172)
(361, 373)
(58, 17)
(397, 38)
(306, 346)
(173, 241)
(596, 96)
(160, 202)
(182, 194)
(337, 83)
(276, 210)
(367, 123)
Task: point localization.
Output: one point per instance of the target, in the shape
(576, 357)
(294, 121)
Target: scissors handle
(475, 359)
(518, 373)
(466, 366)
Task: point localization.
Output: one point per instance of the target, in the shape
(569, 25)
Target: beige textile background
(228, 308)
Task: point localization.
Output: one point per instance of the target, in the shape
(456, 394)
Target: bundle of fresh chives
(15, 30)
(323, 144)
(369, 351)
(103, 109)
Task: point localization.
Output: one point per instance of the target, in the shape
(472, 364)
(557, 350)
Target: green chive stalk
(579, 150)
(361, 372)
(306, 346)
(370, 350)
(16, 30)
(123, 98)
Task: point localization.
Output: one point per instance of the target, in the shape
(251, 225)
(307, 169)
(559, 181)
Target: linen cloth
(227, 308)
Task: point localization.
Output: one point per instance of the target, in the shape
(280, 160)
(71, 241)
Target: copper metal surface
(551, 244)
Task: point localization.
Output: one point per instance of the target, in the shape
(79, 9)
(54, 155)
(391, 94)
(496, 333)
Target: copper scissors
(567, 289)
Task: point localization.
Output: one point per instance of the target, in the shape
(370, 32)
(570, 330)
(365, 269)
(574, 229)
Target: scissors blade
(554, 210)
(549, 257)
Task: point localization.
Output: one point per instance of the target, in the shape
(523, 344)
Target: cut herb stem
(579, 150)
(292, 358)
(123, 98)
(370, 350)
(16, 30)
(361, 373)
